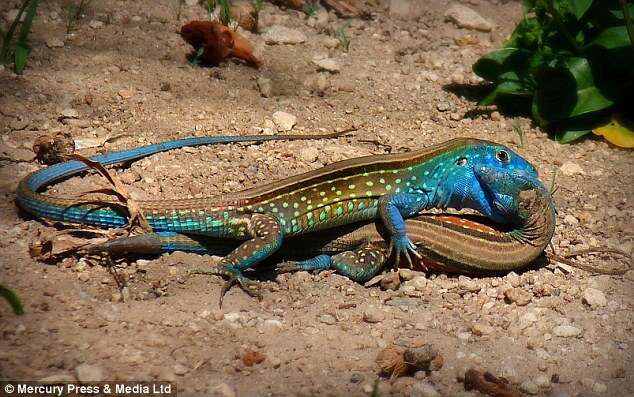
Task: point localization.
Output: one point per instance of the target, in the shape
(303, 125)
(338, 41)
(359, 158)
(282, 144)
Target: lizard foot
(402, 245)
(234, 277)
(288, 267)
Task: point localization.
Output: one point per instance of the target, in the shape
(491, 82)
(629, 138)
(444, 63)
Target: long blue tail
(46, 207)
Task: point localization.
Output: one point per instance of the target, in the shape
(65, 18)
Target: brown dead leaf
(136, 216)
(250, 358)
(489, 384)
(52, 149)
(392, 362)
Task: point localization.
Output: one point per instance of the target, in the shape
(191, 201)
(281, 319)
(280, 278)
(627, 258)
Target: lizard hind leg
(267, 237)
(359, 265)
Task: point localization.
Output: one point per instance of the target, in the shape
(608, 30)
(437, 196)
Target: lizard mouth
(502, 188)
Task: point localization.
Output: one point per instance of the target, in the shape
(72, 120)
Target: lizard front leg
(267, 237)
(392, 209)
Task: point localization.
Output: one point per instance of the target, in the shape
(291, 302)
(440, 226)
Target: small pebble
(528, 386)
(265, 86)
(87, 373)
(569, 168)
(221, 390)
(309, 154)
(180, 369)
(468, 18)
(566, 331)
(70, 113)
(518, 296)
(278, 34)
(542, 381)
(424, 389)
(284, 121)
(571, 220)
(331, 42)
(442, 106)
(327, 319)
(126, 94)
(599, 388)
(481, 329)
(373, 315)
(272, 325)
(594, 298)
(54, 42)
(327, 64)
(94, 24)
(391, 281)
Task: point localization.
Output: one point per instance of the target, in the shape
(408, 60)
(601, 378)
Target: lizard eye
(461, 162)
(503, 156)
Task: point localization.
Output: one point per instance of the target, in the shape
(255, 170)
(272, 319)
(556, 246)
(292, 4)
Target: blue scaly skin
(388, 187)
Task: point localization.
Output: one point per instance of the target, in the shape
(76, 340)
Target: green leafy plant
(258, 4)
(13, 299)
(18, 52)
(210, 5)
(342, 36)
(311, 8)
(225, 12)
(570, 63)
(74, 12)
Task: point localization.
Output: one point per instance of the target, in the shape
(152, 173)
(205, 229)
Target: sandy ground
(403, 84)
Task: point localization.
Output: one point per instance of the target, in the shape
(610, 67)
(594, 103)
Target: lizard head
(486, 177)
(507, 194)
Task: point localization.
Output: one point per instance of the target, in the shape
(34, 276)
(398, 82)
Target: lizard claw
(234, 277)
(252, 288)
(402, 245)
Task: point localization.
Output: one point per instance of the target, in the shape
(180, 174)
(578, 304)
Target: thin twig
(588, 268)
(111, 266)
(593, 250)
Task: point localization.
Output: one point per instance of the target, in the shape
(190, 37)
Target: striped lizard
(466, 244)
(389, 187)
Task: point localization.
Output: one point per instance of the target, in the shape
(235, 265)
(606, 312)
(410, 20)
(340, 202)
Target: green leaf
(25, 29)
(571, 135)
(504, 88)
(567, 90)
(619, 13)
(554, 96)
(496, 62)
(579, 7)
(528, 5)
(21, 55)
(8, 36)
(13, 300)
(22, 48)
(589, 98)
(612, 38)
